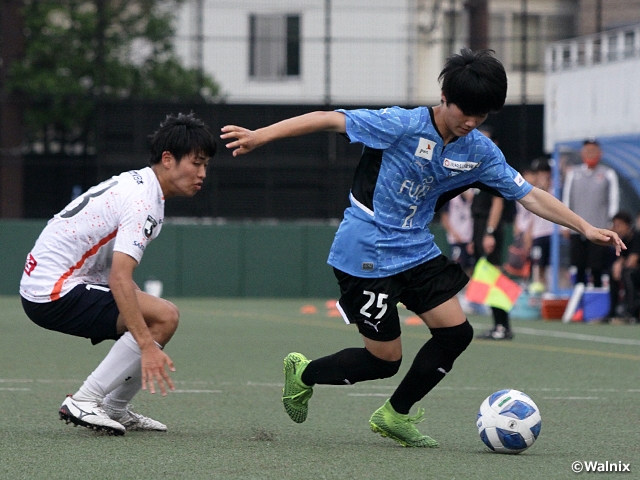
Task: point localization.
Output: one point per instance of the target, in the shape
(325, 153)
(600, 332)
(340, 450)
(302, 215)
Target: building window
(497, 38)
(454, 32)
(274, 46)
(533, 43)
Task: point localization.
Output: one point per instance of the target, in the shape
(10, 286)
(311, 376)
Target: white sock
(121, 363)
(119, 397)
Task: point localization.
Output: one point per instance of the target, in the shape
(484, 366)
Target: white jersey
(460, 219)
(524, 218)
(76, 247)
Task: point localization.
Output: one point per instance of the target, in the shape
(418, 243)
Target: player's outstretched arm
(547, 206)
(245, 140)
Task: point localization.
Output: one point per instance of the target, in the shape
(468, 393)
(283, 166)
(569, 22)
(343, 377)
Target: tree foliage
(80, 51)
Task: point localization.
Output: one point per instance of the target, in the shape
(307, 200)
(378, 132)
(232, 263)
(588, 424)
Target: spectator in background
(456, 219)
(541, 229)
(488, 240)
(625, 272)
(591, 190)
(518, 259)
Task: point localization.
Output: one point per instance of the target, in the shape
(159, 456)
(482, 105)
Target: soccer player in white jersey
(383, 252)
(78, 278)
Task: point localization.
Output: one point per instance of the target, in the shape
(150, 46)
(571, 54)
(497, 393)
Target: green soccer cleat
(389, 423)
(295, 394)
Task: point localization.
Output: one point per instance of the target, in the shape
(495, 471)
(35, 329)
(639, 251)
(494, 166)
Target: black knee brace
(448, 343)
(380, 368)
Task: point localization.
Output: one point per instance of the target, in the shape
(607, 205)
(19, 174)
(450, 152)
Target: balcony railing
(597, 49)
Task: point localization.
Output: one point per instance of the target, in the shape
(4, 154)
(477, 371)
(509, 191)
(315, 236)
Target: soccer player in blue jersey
(383, 252)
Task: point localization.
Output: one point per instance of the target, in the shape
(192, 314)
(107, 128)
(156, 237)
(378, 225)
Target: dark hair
(474, 81)
(487, 130)
(591, 141)
(180, 135)
(541, 164)
(624, 216)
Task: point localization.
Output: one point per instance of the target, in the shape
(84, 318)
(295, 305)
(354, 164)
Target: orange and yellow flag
(489, 286)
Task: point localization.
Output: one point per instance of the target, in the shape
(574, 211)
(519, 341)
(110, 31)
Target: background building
(275, 59)
(365, 51)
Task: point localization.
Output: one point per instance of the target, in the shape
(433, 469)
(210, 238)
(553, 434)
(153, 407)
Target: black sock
(432, 363)
(501, 317)
(348, 367)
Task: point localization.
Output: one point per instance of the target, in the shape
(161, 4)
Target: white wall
(368, 54)
(375, 56)
(584, 98)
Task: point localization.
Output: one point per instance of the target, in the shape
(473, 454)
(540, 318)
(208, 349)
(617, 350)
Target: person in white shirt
(78, 277)
(541, 229)
(458, 224)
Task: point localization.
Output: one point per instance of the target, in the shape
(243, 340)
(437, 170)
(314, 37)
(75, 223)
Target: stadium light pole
(478, 24)
(523, 85)
(200, 43)
(327, 52)
(332, 142)
(452, 27)
(598, 16)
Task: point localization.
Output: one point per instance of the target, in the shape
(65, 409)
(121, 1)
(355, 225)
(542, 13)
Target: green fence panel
(236, 259)
(17, 237)
(211, 260)
(319, 280)
(272, 260)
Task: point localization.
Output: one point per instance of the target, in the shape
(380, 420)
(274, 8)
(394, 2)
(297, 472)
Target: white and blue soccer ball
(508, 421)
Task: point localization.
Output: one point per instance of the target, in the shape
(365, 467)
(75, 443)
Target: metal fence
(299, 178)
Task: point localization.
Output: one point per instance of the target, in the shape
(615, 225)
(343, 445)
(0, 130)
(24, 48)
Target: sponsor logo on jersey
(139, 245)
(519, 180)
(30, 264)
(136, 176)
(425, 149)
(460, 166)
(149, 225)
(367, 265)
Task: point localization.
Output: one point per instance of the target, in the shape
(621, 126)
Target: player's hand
(153, 363)
(488, 244)
(245, 139)
(470, 248)
(602, 236)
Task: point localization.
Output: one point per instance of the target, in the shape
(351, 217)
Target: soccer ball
(508, 421)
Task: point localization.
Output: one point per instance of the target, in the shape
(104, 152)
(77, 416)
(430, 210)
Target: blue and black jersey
(405, 169)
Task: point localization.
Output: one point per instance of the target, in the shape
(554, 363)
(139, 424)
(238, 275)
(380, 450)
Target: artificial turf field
(226, 419)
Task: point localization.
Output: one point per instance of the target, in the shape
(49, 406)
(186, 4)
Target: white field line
(572, 398)
(367, 390)
(577, 336)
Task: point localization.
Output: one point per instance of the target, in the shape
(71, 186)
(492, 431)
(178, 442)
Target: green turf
(227, 421)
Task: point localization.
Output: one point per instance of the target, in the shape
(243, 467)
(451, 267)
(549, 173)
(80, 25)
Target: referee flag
(489, 286)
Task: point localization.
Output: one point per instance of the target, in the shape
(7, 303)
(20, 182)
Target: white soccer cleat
(90, 415)
(132, 420)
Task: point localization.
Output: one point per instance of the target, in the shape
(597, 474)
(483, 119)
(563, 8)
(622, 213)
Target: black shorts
(541, 251)
(88, 311)
(460, 255)
(371, 303)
